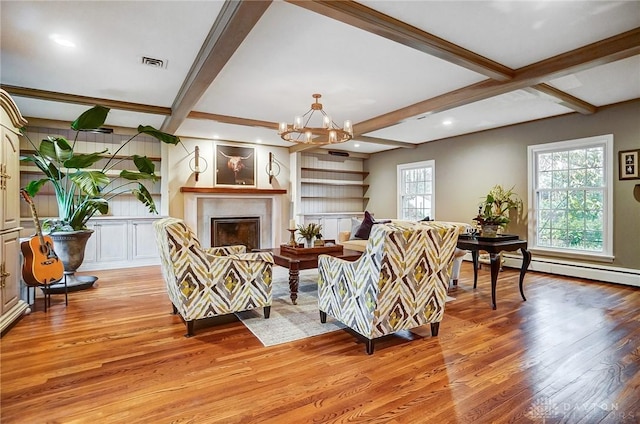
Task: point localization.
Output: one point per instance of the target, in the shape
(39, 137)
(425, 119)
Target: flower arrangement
(309, 231)
(494, 210)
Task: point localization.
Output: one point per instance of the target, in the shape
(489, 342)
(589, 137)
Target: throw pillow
(355, 225)
(365, 228)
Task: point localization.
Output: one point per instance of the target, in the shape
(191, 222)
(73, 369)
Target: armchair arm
(225, 250)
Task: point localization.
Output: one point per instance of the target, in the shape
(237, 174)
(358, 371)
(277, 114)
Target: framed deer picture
(235, 166)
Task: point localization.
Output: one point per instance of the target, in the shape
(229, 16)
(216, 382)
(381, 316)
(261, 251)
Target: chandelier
(328, 133)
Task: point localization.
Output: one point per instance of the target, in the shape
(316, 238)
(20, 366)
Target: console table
(493, 246)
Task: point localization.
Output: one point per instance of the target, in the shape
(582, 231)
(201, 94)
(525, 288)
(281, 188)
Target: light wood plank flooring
(116, 354)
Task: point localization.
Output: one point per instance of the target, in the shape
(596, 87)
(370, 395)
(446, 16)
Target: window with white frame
(570, 196)
(416, 187)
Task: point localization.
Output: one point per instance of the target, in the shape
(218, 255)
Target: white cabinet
(11, 306)
(143, 240)
(333, 223)
(120, 243)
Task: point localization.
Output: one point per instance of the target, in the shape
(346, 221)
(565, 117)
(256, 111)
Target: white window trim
(415, 165)
(607, 241)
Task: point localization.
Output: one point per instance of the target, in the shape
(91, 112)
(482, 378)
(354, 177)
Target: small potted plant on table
(309, 232)
(493, 212)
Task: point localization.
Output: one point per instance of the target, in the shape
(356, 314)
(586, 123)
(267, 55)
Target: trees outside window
(416, 187)
(570, 196)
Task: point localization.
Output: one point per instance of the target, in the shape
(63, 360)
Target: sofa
(348, 242)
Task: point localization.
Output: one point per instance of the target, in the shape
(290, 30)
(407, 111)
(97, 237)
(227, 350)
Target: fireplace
(228, 231)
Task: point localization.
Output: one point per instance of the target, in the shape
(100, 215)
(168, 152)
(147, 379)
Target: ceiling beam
(599, 53)
(233, 24)
(565, 99)
(234, 120)
(84, 100)
(385, 142)
(367, 19)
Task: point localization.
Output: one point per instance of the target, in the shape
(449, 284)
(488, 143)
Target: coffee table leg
(294, 279)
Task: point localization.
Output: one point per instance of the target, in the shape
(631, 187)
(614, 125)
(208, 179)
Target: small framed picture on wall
(235, 166)
(629, 164)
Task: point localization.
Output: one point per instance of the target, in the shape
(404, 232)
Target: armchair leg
(435, 327)
(323, 317)
(369, 347)
(267, 312)
(175, 310)
(189, 328)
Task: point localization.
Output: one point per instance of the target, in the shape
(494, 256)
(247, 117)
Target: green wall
(468, 166)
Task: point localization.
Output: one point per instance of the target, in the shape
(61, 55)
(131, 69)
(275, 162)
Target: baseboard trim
(590, 271)
(98, 266)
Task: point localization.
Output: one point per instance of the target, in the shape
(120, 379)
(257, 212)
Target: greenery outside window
(416, 190)
(570, 197)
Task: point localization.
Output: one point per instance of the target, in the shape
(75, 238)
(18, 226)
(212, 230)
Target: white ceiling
(244, 66)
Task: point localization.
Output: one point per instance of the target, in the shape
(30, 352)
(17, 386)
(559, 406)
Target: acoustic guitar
(41, 264)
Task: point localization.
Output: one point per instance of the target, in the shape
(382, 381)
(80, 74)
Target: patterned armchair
(400, 282)
(206, 282)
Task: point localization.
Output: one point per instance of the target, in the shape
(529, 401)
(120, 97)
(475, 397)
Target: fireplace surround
(202, 204)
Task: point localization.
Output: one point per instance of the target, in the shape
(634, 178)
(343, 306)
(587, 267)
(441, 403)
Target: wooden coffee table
(297, 262)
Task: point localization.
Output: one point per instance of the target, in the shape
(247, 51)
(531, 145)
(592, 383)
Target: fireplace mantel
(228, 190)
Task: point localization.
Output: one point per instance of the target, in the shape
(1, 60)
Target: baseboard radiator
(605, 273)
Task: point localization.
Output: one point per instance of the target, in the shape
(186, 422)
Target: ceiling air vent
(155, 63)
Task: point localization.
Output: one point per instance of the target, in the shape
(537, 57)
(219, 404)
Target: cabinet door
(111, 241)
(143, 239)
(9, 252)
(9, 179)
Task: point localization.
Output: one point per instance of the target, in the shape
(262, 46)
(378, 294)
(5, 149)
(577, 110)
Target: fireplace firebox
(228, 231)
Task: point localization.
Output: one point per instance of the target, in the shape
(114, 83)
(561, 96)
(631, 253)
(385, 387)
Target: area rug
(290, 322)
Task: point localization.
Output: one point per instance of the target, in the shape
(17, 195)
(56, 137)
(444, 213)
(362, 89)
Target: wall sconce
(273, 167)
(194, 163)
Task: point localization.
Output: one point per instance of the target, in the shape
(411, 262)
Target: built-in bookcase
(124, 238)
(332, 190)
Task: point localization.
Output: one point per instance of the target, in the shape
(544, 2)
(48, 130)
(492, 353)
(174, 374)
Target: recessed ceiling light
(356, 145)
(447, 122)
(62, 40)
(216, 136)
(258, 141)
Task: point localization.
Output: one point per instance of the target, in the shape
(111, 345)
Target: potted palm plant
(82, 191)
(493, 212)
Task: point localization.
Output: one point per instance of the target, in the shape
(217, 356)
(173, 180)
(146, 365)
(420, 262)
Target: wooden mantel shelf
(228, 190)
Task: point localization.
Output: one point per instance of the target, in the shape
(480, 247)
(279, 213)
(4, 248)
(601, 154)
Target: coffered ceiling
(404, 72)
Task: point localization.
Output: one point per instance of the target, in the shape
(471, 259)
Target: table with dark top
(297, 262)
(494, 246)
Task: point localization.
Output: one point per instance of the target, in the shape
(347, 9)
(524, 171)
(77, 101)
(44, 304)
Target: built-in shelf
(104, 155)
(336, 187)
(113, 173)
(341, 171)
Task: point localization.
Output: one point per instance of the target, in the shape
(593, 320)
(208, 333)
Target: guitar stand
(46, 290)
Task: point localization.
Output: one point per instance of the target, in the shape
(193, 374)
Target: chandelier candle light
(328, 133)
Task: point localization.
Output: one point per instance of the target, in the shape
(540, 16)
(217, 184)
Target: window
(570, 197)
(416, 190)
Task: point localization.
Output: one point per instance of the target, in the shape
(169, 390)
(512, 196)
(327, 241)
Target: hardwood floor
(116, 354)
